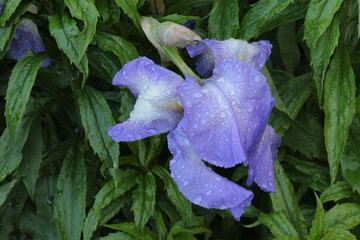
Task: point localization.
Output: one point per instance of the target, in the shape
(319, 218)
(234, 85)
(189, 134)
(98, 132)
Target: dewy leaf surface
(350, 160)
(107, 194)
(144, 199)
(123, 49)
(339, 107)
(343, 216)
(284, 200)
(70, 201)
(8, 9)
(260, 16)
(96, 119)
(224, 19)
(21, 81)
(278, 224)
(67, 36)
(320, 54)
(86, 11)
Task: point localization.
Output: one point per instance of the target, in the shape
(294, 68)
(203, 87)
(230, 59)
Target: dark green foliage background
(62, 176)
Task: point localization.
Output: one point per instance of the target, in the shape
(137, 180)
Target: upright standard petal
(228, 114)
(27, 38)
(198, 182)
(212, 51)
(157, 108)
(261, 160)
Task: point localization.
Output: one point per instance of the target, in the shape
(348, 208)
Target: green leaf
(123, 49)
(359, 18)
(32, 157)
(180, 232)
(185, 6)
(160, 225)
(288, 43)
(322, 51)
(344, 216)
(350, 161)
(285, 201)
(86, 11)
(6, 33)
(10, 154)
(21, 82)
(144, 199)
(337, 233)
(105, 66)
(317, 227)
(131, 229)
(67, 36)
(317, 175)
(180, 19)
(306, 137)
(265, 15)
(318, 18)
(336, 192)
(130, 9)
(70, 200)
(106, 196)
(181, 203)
(8, 9)
(224, 19)
(40, 224)
(109, 11)
(96, 118)
(5, 190)
(339, 107)
(118, 236)
(278, 224)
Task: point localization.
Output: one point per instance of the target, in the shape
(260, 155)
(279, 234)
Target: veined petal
(261, 159)
(157, 108)
(212, 51)
(27, 38)
(228, 114)
(198, 182)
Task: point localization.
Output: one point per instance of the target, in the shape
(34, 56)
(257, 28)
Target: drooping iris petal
(212, 51)
(228, 114)
(198, 182)
(261, 158)
(27, 38)
(157, 109)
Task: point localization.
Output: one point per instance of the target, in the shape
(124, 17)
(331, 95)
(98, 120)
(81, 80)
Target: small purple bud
(190, 24)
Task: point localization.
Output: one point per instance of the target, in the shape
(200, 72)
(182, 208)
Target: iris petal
(212, 51)
(157, 109)
(198, 182)
(228, 114)
(261, 167)
(27, 38)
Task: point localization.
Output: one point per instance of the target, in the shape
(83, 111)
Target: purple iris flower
(212, 51)
(27, 38)
(157, 108)
(221, 120)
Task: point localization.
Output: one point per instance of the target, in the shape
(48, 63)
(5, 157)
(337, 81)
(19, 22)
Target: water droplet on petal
(217, 179)
(182, 167)
(186, 183)
(222, 115)
(203, 122)
(124, 73)
(209, 192)
(222, 206)
(198, 199)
